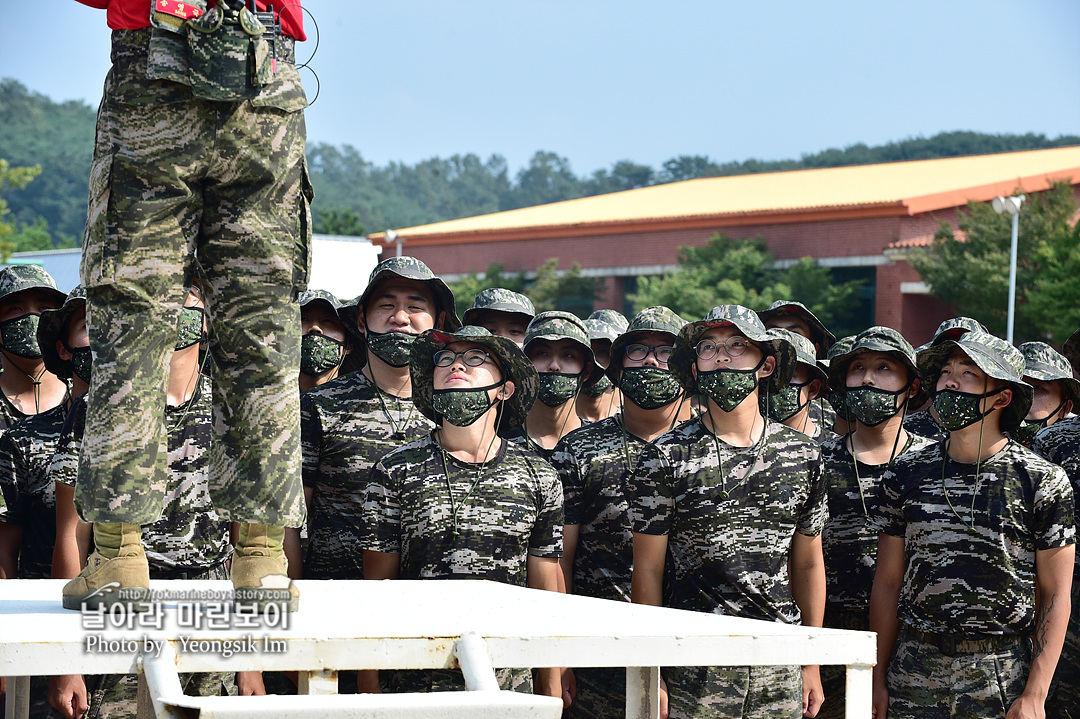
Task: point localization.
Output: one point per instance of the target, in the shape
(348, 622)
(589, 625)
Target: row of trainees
(732, 499)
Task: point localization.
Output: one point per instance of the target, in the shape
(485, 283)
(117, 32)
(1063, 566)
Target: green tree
(338, 222)
(32, 238)
(11, 177)
(466, 289)
(740, 272)
(970, 271)
(566, 291)
(548, 178)
(1054, 301)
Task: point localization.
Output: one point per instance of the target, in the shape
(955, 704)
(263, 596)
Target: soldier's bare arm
(543, 573)
(884, 600)
(647, 579)
(381, 565)
(1053, 578)
(570, 537)
(10, 541)
(67, 560)
(808, 590)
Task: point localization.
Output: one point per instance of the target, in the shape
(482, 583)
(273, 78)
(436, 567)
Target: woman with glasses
(594, 465)
(734, 505)
(461, 502)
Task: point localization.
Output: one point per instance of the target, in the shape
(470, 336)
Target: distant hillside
(59, 136)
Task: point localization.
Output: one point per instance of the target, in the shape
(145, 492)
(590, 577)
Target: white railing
(472, 625)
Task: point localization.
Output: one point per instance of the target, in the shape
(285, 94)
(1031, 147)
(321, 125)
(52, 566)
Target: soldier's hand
(813, 694)
(67, 695)
(880, 707)
(663, 699)
(250, 684)
(1027, 707)
(569, 687)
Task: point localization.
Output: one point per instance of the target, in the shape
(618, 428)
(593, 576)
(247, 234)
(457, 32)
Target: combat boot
(260, 571)
(113, 574)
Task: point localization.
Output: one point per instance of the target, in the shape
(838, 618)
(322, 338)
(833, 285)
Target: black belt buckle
(947, 645)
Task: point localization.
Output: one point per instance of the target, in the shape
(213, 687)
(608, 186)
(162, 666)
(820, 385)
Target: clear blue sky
(598, 81)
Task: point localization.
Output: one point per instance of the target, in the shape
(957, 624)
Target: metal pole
(1012, 277)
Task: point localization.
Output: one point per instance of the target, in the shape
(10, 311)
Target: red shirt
(135, 14)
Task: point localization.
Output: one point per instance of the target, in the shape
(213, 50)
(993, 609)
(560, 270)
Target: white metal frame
(474, 625)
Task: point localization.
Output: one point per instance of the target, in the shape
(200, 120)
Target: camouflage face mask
(319, 354)
(840, 405)
(872, 405)
(785, 403)
(1028, 428)
(190, 328)
(20, 336)
(649, 387)
(957, 410)
(598, 388)
(81, 361)
(557, 388)
(393, 348)
(462, 407)
(729, 387)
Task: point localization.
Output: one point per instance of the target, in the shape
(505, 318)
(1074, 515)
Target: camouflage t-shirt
(1060, 443)
(25, 450)
(848, 541)
(346, 425)
(593, 464)
(450, 519)
(189, 535)
(729, 516)
(965, 581)
(922, 423)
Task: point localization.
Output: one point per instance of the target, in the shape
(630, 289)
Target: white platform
(416, 625)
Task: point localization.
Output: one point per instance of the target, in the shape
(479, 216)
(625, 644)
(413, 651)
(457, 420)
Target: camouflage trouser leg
(449, 680)
(725, 692)
(1064, 699)
(177, 182)
(924, 683)
(115, 696)
(601, 693)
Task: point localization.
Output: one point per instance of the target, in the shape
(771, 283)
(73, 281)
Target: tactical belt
(951, 645)
(286, 46)
(185, 572)
(838, 618)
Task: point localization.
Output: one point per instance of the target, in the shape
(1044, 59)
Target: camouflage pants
(834, 677)
(1064, 699)
(115, 696)
(601, 693)
(747, 692)
(180, 185)
(449, 680)
(925, 683)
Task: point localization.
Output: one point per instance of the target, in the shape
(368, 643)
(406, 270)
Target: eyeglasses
(734, 346)
(471, 357)
(638, 352)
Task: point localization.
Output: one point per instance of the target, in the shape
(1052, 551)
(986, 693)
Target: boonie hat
(513, 365)
(651, 319)
(877, 339)
(51, 328)
(498, 299)
(612, 317)
(16, 278)
(555, 325)
(821, 336)
(407, 268)
(1044, 363)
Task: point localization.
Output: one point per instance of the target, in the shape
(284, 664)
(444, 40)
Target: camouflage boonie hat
(1044, 363)
(821, 336)
(408, 268)
(804, 352)
(952, 328)
(600, 331)
(16, 278)
(994, 356)
(612, 317)
(513, 365)
(498, 299)
(51, 327)
(746, 321)
(877, 339)
(308, 296)
(554, 325)
(1072, 350)
(650, 319)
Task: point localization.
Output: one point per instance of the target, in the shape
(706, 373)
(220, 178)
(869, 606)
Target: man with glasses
(732, 506)
(595, 463)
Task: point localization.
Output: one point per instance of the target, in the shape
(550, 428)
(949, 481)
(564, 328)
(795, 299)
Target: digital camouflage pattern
(613, 318)
(554, 326)
(996, 358)
(924, 683)
(649, 387)
(877, 339)
(19, 336)
(407, 268)
(744, 692)
(319, 354)
(308, 296)
(347, 424)
(649, 320)
(1071, 350)
(600, 330)
(1018, 503)
(952, 328)
(190, 535)
(1042, 362)
(729, 516)
(227, 184)
(848, 541)
(498, 299)
(52, 329)
(819, 334)
(922, 423)
(513, 366)
(16, 278)
(1060, 443)
(29, 493)
(449, 519)
(594, 464)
